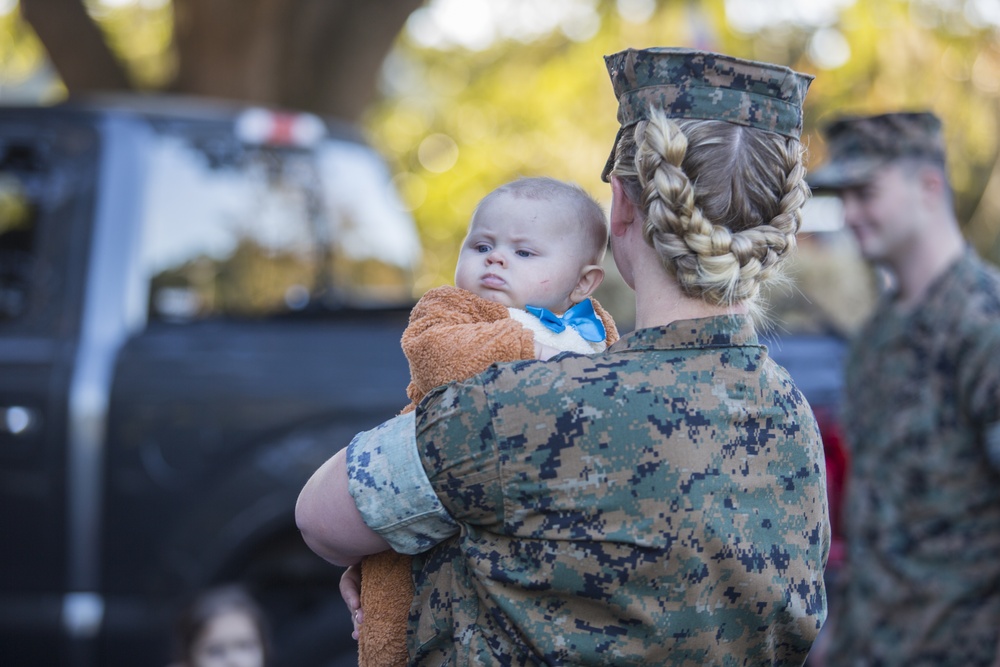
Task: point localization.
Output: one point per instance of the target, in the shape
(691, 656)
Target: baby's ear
(591, 277)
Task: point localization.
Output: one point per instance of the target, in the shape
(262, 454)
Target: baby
(526, 270)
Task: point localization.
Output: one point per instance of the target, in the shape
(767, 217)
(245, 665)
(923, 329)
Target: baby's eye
(481, 247)
(523, 253)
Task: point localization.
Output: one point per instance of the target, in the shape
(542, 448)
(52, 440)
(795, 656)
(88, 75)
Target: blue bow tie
(581, 317)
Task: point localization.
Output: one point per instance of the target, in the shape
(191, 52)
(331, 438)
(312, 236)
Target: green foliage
(456, 123)
(915, 55)
(140, 34)
(546, 107)
(516, 120)
(21, 53)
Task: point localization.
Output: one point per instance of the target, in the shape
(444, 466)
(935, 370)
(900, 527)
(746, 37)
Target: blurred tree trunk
(315, 55)
(75, 45)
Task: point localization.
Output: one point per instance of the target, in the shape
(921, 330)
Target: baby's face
(523, 252)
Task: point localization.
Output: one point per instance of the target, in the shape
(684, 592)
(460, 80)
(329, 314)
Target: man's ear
(622, 209)
(932, 181)
(591, 277)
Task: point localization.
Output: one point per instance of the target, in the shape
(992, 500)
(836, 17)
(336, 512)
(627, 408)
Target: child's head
(222, 627)
(534, 242)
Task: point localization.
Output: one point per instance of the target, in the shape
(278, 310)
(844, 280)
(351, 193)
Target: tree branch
(366, 36)
(315, 55)
(75, 45)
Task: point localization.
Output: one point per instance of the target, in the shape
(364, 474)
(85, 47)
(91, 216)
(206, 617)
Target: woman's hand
(350, 590)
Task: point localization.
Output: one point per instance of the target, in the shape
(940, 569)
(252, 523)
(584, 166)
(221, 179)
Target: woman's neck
(658, 296)
(660, 301)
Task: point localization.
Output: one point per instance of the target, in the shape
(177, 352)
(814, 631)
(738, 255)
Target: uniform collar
(705, 332)
(941, 289)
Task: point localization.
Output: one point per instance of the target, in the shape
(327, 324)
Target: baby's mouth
(493, 280)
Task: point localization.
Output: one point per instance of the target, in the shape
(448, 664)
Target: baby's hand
(543, 351)
(350, 590)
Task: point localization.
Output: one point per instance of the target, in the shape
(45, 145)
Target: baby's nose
(495, 257)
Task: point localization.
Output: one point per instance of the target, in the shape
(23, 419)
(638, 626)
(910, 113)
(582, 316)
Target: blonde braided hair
(721, 202)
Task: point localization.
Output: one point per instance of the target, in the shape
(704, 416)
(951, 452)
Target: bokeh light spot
(829, 49)
(437, 153)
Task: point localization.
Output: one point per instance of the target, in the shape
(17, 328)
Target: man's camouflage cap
(859, 145)
(687, 83)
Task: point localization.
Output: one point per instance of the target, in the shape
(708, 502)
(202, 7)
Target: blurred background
(462, 95)
(246, 333)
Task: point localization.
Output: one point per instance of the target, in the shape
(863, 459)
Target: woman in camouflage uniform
(662, 503)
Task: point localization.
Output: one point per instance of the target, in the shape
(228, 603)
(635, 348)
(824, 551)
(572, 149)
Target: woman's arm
(372, 496)
(330, 521)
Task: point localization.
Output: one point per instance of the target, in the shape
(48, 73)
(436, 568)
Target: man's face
(522, 252)
(885, 213)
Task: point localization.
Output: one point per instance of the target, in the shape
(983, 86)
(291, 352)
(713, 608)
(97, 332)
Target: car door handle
(18, 419)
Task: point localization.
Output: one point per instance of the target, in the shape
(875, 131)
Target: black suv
(198, 305)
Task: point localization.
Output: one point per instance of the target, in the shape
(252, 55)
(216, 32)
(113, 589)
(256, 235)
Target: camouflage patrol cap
(859, 145)
(686, 83)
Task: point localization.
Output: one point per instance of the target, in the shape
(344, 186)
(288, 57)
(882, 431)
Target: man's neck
(925, 263)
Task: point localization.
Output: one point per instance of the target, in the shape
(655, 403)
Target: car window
(47, 174)
(233, 230)
(20, 172)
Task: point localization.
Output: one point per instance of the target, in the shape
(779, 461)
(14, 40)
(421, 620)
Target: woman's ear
(622, 208)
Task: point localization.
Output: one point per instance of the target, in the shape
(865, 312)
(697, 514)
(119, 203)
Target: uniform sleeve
(980, 386)
(980, 375)
(993, 445)
(453, 335)
(392, 492)
(458, 445)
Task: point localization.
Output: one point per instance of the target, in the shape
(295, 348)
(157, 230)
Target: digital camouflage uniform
(660, 504)
(859, 146)
(923, 500)
(685, 83)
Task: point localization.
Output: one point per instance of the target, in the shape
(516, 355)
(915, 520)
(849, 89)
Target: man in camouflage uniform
(662, 503)
(922, 411)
